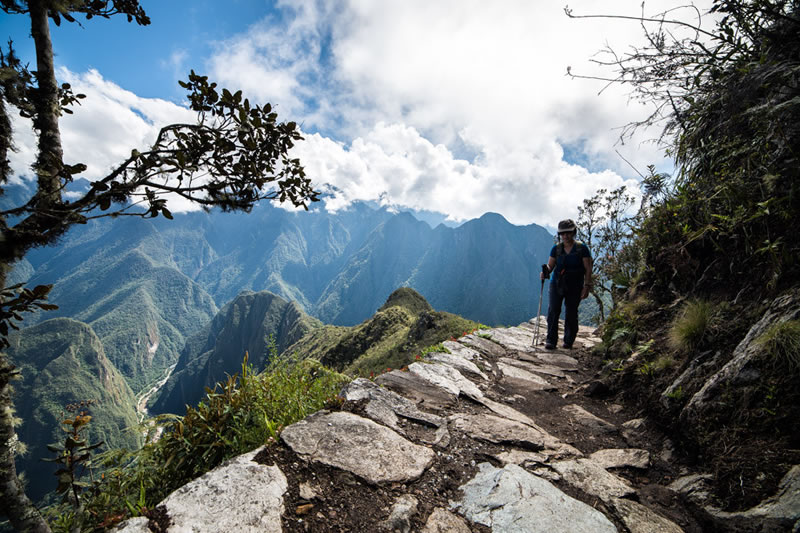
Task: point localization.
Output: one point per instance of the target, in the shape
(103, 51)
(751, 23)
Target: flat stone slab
(621, 458)
(418, 390)
(593, 479)
(588, 420)
(443, 521)
(358, 445)
(239, 495)
(548, 370)
(510, 499)
(384, 406)
(447, 378)
(640, 519)
(514, 338)
(561, 360)
(498, 430)
(566, 363)
(532, 381)
(456, 348)
(483, 345)
(521, 457)
(465, 366)
(506, 411)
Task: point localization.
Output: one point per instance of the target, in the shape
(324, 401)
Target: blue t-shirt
(571, 263)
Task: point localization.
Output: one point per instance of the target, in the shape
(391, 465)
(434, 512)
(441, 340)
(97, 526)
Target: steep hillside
(118, 279)
(392, 338)
(486, 270)
(293, 255)
(246, 325)
(383, 263)
(707, 339)
(63, 362)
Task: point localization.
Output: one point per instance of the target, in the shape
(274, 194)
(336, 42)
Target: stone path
(496, 435)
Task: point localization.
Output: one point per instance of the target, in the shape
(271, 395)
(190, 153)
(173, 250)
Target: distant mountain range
(145, 286)
(137, 296)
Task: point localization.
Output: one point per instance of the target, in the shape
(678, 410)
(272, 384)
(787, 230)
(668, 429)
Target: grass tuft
(691, 327)
(782, 343)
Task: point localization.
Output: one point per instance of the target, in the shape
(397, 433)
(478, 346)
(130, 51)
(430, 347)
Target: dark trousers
(571, 297)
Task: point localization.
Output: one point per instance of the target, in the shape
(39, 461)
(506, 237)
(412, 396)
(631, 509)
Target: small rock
(520, 457)
(134, 525)
(593, 479)
(401, 514)
(695, 487)
(615, 408)
(633, 431)
(307, 492)
(459, 363)
(483, 345)
(497, 430)
(456, 348)
(442, 521)
(588, 420)
(620, 458)
(640, 519)
(304, 509)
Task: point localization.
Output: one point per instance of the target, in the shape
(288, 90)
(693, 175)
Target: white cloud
(395, 164)
(103, 130)
(456, 106)
(404, 84)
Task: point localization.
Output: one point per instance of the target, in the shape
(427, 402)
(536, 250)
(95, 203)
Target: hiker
(571, 265)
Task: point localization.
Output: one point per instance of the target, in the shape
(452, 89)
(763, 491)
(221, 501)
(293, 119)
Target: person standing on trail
(571, 265)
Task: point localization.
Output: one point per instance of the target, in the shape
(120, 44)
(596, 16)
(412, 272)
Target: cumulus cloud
(396, 165)
(455, 106)
(103, 130)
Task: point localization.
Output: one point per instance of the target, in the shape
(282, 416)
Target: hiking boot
(549, 346)
(567, 346)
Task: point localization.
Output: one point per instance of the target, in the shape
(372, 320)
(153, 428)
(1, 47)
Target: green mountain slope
(246, 325)
(122, 283)
(404, 326)
(62, 362)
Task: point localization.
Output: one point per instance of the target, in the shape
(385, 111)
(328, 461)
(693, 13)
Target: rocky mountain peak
(407, 298)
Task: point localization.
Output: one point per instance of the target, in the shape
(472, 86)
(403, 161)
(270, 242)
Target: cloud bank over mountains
(457, 107)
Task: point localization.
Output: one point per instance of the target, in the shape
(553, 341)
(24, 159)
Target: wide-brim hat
(567, 225)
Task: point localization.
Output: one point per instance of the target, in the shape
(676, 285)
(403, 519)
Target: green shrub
(782, 343)
(246, 411)
(689, 330)
(436, 348)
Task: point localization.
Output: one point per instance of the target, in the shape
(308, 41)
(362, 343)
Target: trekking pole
(546, 273)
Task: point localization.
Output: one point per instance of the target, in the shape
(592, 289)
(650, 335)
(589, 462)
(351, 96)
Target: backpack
(560, 249)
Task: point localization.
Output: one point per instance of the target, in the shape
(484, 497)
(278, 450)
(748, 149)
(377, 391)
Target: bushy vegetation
(246, 411)
(781, 342)
(718, 235)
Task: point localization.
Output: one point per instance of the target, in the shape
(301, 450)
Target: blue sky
(455, 106)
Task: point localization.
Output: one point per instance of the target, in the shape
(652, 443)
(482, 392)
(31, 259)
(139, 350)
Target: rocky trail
(497, 435)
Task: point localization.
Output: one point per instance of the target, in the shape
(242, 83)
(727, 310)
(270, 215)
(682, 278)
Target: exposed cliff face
(63, 362)
(246, 325)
